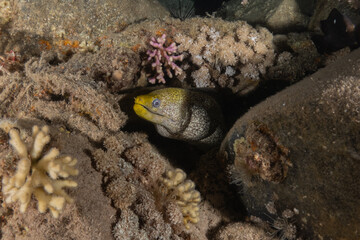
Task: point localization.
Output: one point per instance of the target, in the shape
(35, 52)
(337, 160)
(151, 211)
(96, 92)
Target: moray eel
(182, 114)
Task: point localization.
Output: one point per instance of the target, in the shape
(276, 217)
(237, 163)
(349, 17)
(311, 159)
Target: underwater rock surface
(83, 19)
(299, 151)
(278, 15)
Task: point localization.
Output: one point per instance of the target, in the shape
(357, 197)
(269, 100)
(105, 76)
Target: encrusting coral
(133, 169)
(244, 231)
(236, 54)
(6, 11)
(185, 194)
(43, 175)
(74, 99)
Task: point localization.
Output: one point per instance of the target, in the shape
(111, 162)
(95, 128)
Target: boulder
(299, 151)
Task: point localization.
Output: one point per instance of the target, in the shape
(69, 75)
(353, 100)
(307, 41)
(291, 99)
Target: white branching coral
(43, 175)
(185, 194)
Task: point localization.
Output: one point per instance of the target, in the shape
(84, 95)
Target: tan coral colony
(43, 175)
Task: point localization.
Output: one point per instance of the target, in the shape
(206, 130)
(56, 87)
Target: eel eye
(156, 103)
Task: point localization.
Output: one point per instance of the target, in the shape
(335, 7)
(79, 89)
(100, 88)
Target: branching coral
(185, 194)
(164, 59)
(40, 174)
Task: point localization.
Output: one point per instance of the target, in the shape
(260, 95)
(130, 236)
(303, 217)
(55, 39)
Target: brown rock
(309, 133)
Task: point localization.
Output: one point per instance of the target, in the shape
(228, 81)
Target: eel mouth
(149, 115)
(140, 108)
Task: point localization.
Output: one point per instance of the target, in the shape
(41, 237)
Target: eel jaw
(145, 113)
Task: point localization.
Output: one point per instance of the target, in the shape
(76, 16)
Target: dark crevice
(183, 9)
(234, 106)
(58, 98)
(207, 6)
(55, 61)
(185, 155)
(93, 165)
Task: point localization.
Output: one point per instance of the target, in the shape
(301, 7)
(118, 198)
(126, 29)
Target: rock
(277, 15)
(297, 58)
(242, 231)
(83, 20)
(30, 27)
(299, 151)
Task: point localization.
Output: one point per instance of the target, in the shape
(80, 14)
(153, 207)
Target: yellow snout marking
(143, 107)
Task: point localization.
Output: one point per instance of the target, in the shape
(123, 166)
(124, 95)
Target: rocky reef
(69, 72)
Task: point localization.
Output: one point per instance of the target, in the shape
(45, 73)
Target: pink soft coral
(163, 59)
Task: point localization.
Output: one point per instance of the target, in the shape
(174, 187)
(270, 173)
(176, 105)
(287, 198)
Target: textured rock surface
(29, 27)
(62, 18)
(242, 231)
(315, 124)
(278, 15)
